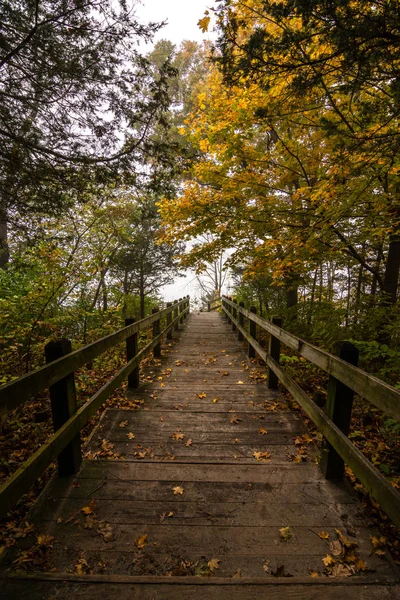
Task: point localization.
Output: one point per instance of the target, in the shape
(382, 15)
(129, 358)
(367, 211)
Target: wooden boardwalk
(200, 491)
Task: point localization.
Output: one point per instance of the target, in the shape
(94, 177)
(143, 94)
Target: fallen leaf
(266, 566)
(262, 456)
(360, 565)
(240, 382)
(345, 541)
(328, 560)
(90, 521)
(178, 490)
(215, 400)
(165, 516)
(323, 535)
(314, 574)
(131, 435)
(202, 395)
(123, 423)
(106, 532)
(45, 540)
(178, 436)
(88, 510)
(141, 541)
(263, 431)
(235, 419)
(285, 533)
(336, 548)
(340, 570)
(213, 564)
(188, 443)
(81, 566)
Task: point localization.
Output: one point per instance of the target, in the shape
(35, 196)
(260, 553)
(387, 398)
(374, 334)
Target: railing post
(208, 306)
(223, 304)
(274, 352)
(169, 320)
(241, 322)
(187, 305)
(131, 351)
(339, 405)
(234, 314)
(63, 407)
(253, 332)
(176, 315)
(156, 332)
(180, 312)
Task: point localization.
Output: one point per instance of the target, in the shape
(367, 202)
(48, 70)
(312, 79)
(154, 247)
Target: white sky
(182, 17)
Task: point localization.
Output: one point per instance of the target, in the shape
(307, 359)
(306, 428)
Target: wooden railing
(58, 375)
(345, 378)
(213, 304)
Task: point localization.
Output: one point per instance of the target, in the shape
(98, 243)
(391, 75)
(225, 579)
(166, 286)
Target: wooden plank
(321, 492)
(122, 511)
(168, 471)
(65, 587)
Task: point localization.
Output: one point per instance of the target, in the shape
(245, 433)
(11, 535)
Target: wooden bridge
(208, 488)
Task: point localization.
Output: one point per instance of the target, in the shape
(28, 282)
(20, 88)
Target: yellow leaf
(263, 431)
(328, 560)
(360, 565)
(240, 382)
(141, 541)
(202, 395)
(314, 574)
(88, 510)
(285, 533)
(213, 564)
(123, 423)
(323, 535)
(178, 490)
(178, 436)
(262, 456)
(131, 435)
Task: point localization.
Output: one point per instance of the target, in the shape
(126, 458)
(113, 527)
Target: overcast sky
(182, 17)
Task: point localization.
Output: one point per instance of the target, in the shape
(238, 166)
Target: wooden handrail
(20, 390)
(25, 476)
(353, 377)
(380, 394)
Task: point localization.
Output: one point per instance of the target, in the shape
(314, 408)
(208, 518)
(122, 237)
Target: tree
(342, 60)
(78, 103)
(146, 264)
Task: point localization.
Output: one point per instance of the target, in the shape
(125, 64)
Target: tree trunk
(4, 251)
(312, 299)
(392, 270)
(142, 296)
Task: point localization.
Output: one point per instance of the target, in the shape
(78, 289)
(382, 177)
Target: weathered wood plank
(203, 589)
